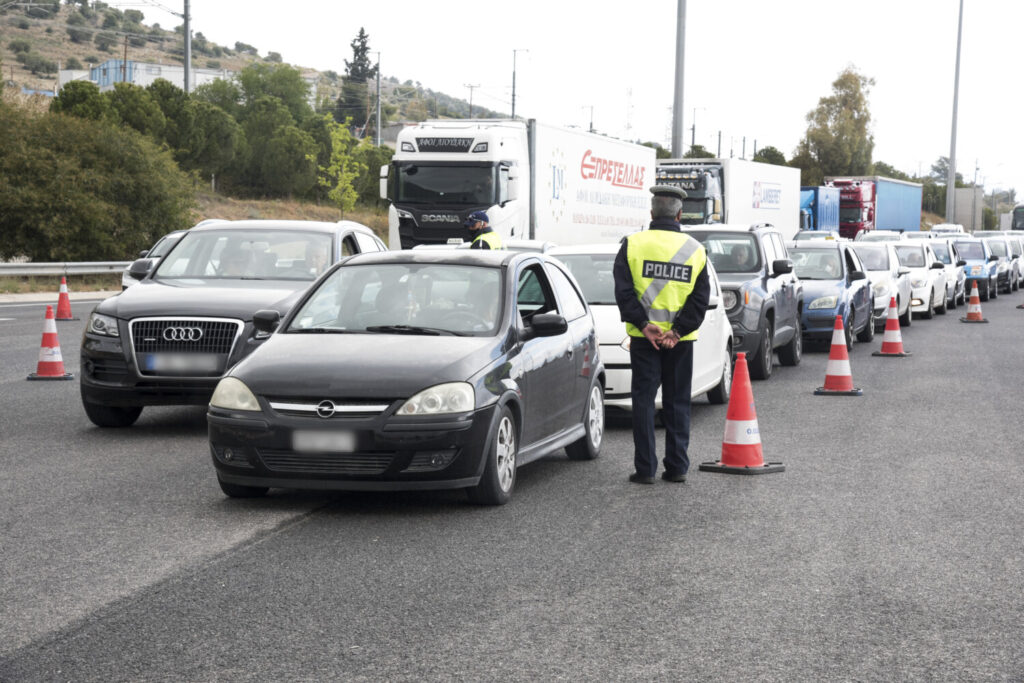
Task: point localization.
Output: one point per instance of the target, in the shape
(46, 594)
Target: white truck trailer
(535, 181)
(736, 191)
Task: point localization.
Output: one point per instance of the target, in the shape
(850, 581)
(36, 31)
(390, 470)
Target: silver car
(956, 278)
(888, 279)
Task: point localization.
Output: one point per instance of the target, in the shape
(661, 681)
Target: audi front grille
(211, 338)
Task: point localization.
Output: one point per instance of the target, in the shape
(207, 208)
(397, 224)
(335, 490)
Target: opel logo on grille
(183, 333)
(325, 409)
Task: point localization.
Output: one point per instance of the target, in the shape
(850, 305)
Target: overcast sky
(752, 68)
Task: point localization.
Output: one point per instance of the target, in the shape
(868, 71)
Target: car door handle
(569, 352)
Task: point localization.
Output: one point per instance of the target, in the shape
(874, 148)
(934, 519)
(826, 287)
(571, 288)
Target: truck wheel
(495, 486)
(111, 416)
(588, 446)
(761, 362)
(791, 353)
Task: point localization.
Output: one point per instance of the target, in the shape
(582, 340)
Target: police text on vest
(662, 270)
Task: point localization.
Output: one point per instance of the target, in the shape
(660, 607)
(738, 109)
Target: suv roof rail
(757, 226)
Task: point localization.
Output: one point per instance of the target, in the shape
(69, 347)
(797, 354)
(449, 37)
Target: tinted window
(593, 273)
(244, 255)
(942, 253)
(730, 252)
(533, 294)
(572, 305)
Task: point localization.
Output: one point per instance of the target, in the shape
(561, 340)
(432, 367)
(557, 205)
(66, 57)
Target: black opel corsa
(171, 337)
(414, 370)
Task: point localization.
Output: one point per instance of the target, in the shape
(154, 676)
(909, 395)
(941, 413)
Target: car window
(911, 256)
(941, 252)
(780, 246)
(998, 247)
(533, 293)
(853, 263)
(366, 243)
(1015, 247)
(348, 246)
(970, 250)
(770, 253)
(404, 298)
(730, 252)
(163, 246)
(873, 258)
(593, 273)
(246, 255)
(816, 264)
(572, 303)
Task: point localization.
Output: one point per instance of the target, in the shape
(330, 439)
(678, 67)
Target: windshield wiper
(320, 330)
(413, 329)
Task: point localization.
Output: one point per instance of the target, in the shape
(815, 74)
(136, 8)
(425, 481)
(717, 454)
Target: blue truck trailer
(819, 208)
(877, 203)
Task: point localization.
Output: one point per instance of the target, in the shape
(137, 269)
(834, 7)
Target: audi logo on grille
(325, 409)
(190, 334)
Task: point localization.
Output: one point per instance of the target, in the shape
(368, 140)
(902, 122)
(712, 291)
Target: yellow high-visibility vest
(492, 239)
(665, 265)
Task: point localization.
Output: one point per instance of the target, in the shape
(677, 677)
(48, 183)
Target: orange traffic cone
(741, 445)
(838, 380)
(51, 363)
(974, 307)
(892, 341)
(64, 301)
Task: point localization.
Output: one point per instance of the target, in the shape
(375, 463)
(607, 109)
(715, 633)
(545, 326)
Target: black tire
(963, 295)
(908, 316)
(239, 491)
(953, 299)
(111, 416)
(719, 395)
(761, 363)
(943, 307)
(499, 477)
(868, 333)
(848, 332)
(793, 351)
(983, 292)
(588, 446)
(928, 313)
(993, 290)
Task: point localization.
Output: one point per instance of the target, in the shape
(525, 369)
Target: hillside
(57, 35)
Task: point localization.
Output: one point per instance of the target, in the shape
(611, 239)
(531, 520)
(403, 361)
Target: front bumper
(388, 454)
(820, 323)
(920, 299)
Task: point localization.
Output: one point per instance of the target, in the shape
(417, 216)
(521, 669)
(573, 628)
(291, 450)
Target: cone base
(767, 468)
(35, 376)
(60, 319)
(983, 320)
(822, 391)
(891, 355)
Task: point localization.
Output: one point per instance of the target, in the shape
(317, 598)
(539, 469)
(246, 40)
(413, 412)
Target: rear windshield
(730, 252)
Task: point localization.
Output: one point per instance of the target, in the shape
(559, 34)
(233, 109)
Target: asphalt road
(889, 549)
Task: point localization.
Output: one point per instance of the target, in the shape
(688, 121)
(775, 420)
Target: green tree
(698, 152)
(213, 142)
(887, 171)
(81, 99)
(135, 107)
(367, 184)
(274, 57)
(174, 104)
(341, 172)
(276, 80)
(354, 101)
(76, 28)
(940, 172)
(360, 69)
(221, 93)
(288, 163)
(838, 140)
(770, 155)
(659, 151)
(73, 64)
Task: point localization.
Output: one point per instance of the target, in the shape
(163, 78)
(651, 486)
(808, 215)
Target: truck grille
(184, 335)
(325, 463)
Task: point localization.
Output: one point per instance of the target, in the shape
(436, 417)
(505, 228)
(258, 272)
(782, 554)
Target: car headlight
(453, 397)
(823, 302)
(232, 394)
(103, 325)
(880, 289)
(728, 299)
(918, 282)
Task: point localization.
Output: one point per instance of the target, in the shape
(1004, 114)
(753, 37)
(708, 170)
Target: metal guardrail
(62, 268)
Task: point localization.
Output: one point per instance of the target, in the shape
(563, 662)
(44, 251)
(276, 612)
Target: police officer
(662, 289)
(485, 237)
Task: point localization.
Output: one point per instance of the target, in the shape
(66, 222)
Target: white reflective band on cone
(892, 336)
(839, 336)
(49, 355)
(742, 432)
(838, 368)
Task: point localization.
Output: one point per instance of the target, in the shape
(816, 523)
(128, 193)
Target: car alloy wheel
(505, 453)
(595, 417)
(499, 476)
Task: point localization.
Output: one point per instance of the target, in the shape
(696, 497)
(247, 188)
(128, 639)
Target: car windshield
(248, 255)
(593, 272)
(970, 250)
(404, 298)
(911, 256)
(730, 252)
(998, 248)
(163, 246)
(874, 258)
(816, 264)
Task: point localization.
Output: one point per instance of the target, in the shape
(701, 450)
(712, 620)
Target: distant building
(969, 202)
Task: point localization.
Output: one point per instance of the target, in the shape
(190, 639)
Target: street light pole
(677, 101)
(514, 51)
(378, 98)
(951, 175)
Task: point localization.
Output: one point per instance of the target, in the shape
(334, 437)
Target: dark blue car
(834, 284)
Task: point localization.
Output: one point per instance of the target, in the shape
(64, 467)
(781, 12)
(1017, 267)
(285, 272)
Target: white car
(956, 278)
(888, 279)
(927, 276)
(154, 254)
(879, 236)
(591, 265)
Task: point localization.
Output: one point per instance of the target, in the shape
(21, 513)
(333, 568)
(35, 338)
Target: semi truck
(819, 208)
(735, 191)
(535, 182)
(876, 203)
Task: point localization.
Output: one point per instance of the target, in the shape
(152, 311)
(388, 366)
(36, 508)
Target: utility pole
(188, 49)
(124, 62)
(514, 51)
(974, 198)
(677, 100)
(719, 145)
(951, 175)
(378, 99)
(471, 87)
(591, 107)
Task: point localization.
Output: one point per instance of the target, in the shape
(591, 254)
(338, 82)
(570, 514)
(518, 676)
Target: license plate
(181, 363)
(310, 441)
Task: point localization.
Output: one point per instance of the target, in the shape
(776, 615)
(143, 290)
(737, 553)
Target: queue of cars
(328, 362)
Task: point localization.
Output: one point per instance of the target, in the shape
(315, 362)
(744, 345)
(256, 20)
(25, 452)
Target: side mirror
(992, 258)
(140, 268)
(547, 325)
(961, 263)
(903, 270)
(266, 321)
(713, 302)
(384, 181)
(513, 188)
(857, 275)
(938, 265)
(144, 253)
(782, 266)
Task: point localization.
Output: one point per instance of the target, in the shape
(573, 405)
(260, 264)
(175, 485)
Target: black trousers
(672, 370)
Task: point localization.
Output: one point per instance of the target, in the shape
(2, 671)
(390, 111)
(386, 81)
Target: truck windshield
(850, 214)
(424, 184)
(694, 210)
(1018, 218)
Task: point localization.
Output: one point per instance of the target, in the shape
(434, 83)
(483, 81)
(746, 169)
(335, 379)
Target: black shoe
(676, 477)
(638, 478)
